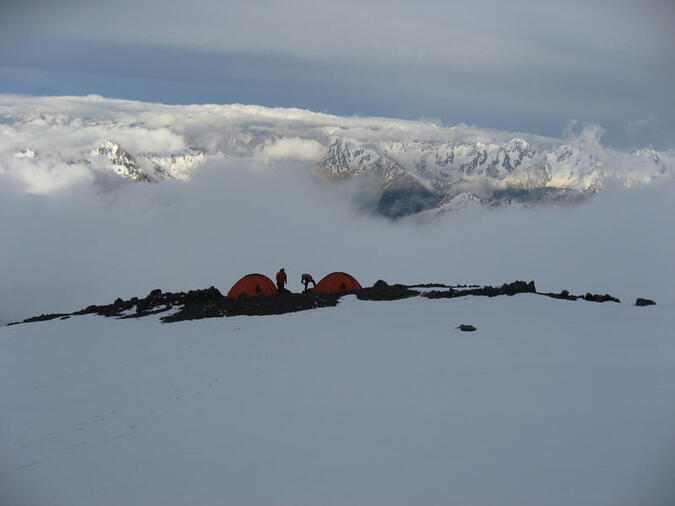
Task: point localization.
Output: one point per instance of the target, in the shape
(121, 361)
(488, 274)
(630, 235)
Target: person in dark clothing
(281, 279)
(306, 279)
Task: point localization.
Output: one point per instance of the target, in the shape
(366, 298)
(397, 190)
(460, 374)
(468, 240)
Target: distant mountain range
(409, 167)
(150, 166)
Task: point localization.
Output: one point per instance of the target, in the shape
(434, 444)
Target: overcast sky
(524, 66)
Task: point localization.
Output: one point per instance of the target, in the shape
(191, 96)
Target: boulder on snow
(210, 293)
(519, 287)
(644, 302)
(380, 284)
(466, 328)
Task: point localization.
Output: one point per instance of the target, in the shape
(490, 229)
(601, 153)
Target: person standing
(281, 279)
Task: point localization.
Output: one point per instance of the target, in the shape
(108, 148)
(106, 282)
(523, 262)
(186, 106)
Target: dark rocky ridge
(489, 291)
(565, 295)
(254, 306)
(211, 303)
(383, 291)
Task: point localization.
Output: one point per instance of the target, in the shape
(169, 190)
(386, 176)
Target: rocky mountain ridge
(416, 176)
(211, 303)
(149, 167)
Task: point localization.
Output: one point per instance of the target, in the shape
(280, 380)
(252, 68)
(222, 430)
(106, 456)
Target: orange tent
(336, 282)
(252, 285)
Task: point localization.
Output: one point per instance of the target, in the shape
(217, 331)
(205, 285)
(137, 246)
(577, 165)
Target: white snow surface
(550, 402)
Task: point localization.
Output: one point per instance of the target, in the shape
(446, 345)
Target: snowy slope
(550, 403)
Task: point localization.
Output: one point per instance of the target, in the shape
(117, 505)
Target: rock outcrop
(211, 303)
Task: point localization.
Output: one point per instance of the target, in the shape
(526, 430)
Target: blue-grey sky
(526, 66)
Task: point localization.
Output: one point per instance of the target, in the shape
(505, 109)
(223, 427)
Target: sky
(521, 66)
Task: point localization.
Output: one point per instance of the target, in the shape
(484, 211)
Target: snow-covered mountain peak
(122, 162)
(26, 153)
(653, 156)
(405, 162)
(150, 166)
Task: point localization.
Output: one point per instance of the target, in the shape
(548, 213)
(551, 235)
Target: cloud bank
(49, 143)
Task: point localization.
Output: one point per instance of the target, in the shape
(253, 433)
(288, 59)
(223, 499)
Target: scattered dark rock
(446, 294)
(146, 312)
(193, 296)
(489, 291)
(600, 298)
(383, 291)
(260, 305)
(467, 328)
(156, 302)
(564, 295)
(441, 285)
(644, 302)
(42, 318)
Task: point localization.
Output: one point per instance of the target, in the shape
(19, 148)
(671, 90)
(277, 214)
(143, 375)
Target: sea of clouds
(74, 235)
(47, 143)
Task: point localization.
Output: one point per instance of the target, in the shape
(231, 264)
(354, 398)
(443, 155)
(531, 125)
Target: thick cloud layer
(67, 249)
(51, 142)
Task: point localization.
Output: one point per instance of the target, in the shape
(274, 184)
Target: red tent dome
(336, 282)
(252, 285)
